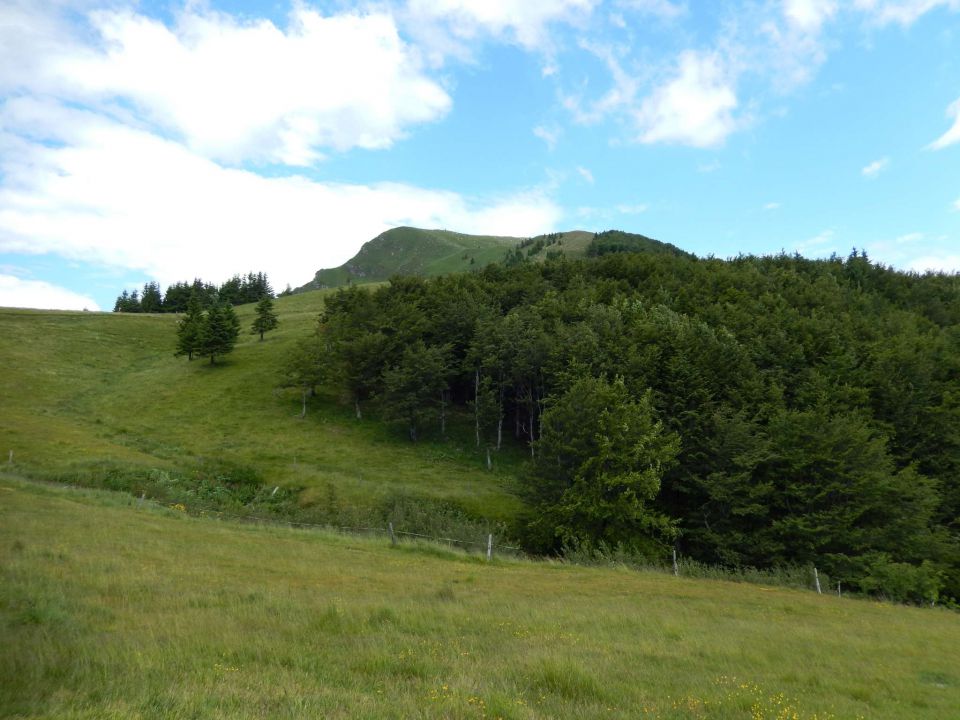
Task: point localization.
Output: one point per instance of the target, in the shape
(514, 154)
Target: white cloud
(586, 174)
(936, 263)
(772, 206)
(902, 12)
(236, 90)
(709, 167)
(15, 292)
(85, 187)
(952, 135)
(525, 22)
(809, 15)
(633, 209)
(875, 168)
(695, 107)
(819, 244)
(550, 135)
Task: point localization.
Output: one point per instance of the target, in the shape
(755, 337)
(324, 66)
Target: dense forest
(760, 411)
(238, 290)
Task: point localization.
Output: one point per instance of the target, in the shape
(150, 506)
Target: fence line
(339, 528)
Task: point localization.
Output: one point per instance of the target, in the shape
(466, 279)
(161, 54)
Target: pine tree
(190, 328)
(219, 332)
(152, 300)
(266, 318)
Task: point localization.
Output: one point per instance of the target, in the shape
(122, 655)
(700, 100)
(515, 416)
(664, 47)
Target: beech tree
(417, 386)
(601, 455)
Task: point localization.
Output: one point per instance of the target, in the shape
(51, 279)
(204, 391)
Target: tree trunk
(489, 461)
(476, 403)
(500, 420)
(303, 412)
(356, 405)
(211, 359)
(261, 336)
(443, 412)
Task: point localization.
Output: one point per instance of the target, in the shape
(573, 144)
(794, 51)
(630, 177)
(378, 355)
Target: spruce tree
(219, 333)
(190, 328)
(266, 318)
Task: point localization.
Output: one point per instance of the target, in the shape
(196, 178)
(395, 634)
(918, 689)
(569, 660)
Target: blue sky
(168, 140)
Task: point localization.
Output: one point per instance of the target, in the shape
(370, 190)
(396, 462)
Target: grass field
(110, 610)
(83, 389)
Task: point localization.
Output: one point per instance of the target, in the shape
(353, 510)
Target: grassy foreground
(84, 391)
(110, 610)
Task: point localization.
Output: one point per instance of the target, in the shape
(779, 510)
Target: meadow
(85, 392)
(113, 609)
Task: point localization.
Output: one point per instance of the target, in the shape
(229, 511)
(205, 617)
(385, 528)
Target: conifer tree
(190, 329)
(219, 333)
(266, 318)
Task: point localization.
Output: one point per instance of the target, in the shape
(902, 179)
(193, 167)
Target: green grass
(110, 610)
(84, 390)
(413, 251)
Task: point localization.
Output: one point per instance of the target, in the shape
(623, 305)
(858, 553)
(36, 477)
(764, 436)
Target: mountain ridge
(408, 250)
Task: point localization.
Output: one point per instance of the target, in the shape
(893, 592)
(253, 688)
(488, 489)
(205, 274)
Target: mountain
(414, 251)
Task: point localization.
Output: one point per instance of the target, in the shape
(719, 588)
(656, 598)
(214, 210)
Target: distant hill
(414, 251)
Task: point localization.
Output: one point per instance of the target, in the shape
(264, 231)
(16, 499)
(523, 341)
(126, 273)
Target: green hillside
(412, 251)
(112, 610)
(90, 394)
(428, 253)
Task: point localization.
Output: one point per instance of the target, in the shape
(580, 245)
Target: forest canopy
(759, 411)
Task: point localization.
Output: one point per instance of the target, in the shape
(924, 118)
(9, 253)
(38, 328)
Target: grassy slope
(82, 388)
(112, 611)
(413, 251)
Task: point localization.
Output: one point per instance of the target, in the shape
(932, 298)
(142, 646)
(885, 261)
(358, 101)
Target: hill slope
(412, 251)
(87, 395)
(110, 610)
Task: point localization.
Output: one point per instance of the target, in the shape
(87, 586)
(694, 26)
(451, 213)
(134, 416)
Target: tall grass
(108, 609)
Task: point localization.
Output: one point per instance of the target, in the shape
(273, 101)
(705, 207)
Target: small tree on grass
(190, 328)
(220, 330)
(266, 318)
(304, 368)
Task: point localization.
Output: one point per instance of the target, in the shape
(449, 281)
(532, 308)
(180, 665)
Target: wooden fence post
(676, 569)
(490, 547)
(393, 537)
(816, 580)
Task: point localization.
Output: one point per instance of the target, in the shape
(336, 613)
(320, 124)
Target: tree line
(238, 290)
(760, 411)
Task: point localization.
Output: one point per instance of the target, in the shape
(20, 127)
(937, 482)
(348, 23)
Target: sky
(168, 139)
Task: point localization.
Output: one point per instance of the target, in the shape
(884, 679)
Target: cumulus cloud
(83, 186)
(235, 90)
(948, 263)
(952, 135)
(694, 107)
(809, 15)
(875, 168)
(15, 292)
